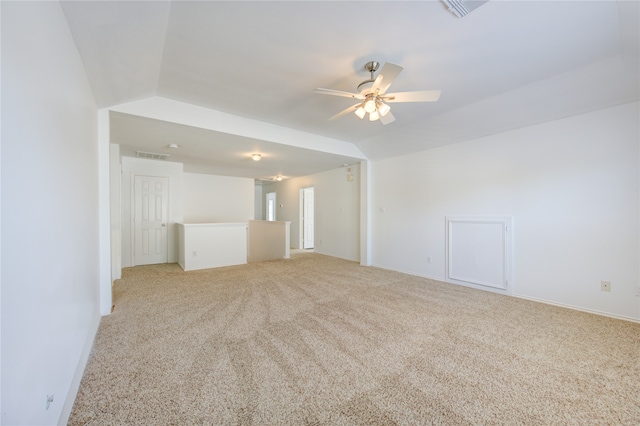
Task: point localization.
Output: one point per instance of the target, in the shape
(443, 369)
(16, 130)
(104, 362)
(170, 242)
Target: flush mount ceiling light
(173, 145)
(277, 178)
(256, 157)
(372, 94)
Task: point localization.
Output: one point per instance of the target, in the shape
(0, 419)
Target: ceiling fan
(373, 95)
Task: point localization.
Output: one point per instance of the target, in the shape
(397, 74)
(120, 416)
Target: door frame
(132, 214)
(275, 205)
(301, 221)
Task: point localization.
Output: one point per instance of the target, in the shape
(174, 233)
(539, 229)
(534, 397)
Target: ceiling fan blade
(389, 72)
(338, 93)
(388, 118)
(418, 96)
(345, 112)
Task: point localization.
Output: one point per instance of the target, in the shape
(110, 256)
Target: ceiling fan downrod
(371, 66)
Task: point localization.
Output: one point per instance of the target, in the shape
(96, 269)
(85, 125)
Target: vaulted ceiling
(506, 65)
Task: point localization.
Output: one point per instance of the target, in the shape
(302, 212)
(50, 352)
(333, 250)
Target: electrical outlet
(195, 253)
(428, 259)
(605, 285)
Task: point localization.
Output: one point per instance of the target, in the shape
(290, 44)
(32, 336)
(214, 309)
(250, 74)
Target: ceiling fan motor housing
(372, 67)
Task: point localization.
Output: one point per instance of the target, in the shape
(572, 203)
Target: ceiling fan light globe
(370, 106)
(373, 116)
(383, 109)
(360, 112)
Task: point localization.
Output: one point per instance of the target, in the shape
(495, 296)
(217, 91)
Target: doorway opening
(307, 217)
(271, 206)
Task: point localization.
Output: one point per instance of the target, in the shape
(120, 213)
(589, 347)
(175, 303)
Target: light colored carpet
(322, 341)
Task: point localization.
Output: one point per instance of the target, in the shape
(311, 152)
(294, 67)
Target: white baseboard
(520, 296)
(77, 377)
(577, 308)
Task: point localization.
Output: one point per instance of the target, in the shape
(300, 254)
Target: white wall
(211, 245)
(337, 210)
(268, 240)
(115, 210)
(209, 198)
(570, 185)
(50, 271)
(132, 167)
(258, 203)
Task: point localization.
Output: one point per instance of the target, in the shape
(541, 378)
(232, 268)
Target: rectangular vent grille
(151, 155)
(461, 8)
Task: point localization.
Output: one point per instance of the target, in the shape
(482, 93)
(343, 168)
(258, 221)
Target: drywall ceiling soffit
(261, 60)
(208, 151)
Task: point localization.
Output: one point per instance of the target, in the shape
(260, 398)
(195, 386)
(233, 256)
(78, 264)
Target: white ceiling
(506, 65)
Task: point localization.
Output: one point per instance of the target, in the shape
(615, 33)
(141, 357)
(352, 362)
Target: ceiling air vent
(461, 8)
(151, 155)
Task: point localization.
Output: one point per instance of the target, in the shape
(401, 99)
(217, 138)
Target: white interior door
(151, 195)
(307, 218)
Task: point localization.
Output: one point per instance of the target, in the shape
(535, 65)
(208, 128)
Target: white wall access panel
(478, 251)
